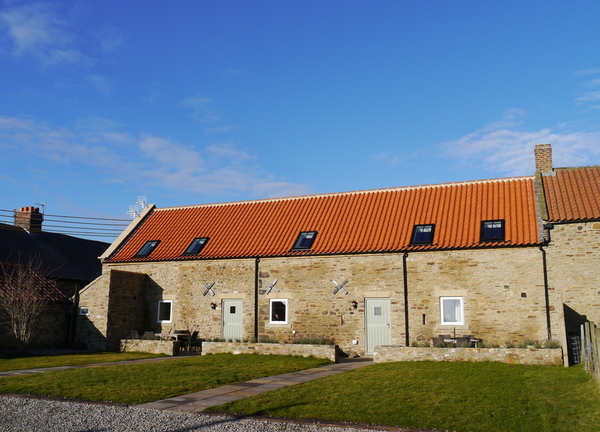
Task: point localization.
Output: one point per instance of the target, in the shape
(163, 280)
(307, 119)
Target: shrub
(551, 344)
(313, 341)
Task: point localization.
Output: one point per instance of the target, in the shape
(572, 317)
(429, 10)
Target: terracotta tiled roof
(353, 222)
(573, 194)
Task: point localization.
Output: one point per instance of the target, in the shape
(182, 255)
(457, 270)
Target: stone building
(391, 266)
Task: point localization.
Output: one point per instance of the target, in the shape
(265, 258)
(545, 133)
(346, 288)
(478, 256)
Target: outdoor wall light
(213, 305)
(354, 304)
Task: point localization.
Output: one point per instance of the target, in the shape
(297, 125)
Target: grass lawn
(9, 364)
(456, 396)
(145, 382)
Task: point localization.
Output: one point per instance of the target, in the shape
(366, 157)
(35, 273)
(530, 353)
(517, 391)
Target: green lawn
(456, 396)
(145, 382)
(9, 364)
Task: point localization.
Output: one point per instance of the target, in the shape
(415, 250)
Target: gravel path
(21, 414)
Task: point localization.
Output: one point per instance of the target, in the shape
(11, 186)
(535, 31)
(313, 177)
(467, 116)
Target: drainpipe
(256, 280)
(546, 293)
(405, 277)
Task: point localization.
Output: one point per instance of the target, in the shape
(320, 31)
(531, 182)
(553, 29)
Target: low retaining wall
(319, 351)
(524, 356)
(150, 346)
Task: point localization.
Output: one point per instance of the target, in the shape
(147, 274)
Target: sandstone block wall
(574, 268)
(150, 346)
(319, 351)
(502, 289)
(524, 356)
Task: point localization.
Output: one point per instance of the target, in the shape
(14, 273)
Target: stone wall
(523, 356)
(170, 348)
(115, 304)
(319, 351)
(502, 289)
(574, 267)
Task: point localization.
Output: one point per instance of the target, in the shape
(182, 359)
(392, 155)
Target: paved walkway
(199, 401)
(58, 368)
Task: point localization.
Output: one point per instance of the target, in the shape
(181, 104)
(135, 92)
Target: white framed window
(278, 311)
(165, 311)
(452, 310)
(83, 310)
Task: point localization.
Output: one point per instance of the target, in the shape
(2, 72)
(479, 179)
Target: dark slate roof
(62, 256)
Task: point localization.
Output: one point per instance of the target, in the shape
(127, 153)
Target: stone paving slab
(199, 401)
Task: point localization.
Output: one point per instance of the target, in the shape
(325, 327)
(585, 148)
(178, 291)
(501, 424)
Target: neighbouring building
(495, 259)
(65, 263)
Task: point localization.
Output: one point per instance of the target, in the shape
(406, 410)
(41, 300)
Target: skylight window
(196, 246)
(147, 248)
(305, 240)
(492, 230)
(423, 234)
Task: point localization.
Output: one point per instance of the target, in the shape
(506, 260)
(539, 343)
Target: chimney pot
(543, 158)
(29, 218)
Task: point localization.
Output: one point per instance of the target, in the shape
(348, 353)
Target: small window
(423, 234)
(196, 246)
(305, 240)
(147, 248)
(492, 230)
(278, 311)
(452, 310)
(84, 310)
(165, 311)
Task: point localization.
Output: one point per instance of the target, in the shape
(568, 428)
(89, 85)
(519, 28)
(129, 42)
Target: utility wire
(72, 225)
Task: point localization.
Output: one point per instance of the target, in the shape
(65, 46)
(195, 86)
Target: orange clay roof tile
(573, 194)
(352, 222)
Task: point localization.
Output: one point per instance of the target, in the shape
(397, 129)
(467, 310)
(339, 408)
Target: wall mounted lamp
(213, 305)
(354, 304)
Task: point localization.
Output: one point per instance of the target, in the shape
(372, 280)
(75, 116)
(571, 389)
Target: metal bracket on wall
(272, 287)
(340, 287)
(209, 288)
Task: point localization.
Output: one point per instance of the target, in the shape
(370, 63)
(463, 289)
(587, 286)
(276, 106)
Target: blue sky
(210, 101)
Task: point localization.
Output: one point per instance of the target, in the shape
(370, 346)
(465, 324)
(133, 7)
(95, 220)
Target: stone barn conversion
(502, 260)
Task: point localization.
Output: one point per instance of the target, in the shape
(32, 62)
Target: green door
(377, 323)
(232, 319)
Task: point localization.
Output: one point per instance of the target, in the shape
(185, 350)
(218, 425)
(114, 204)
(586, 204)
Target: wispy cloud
(201, 109)
(108, 154)
(38, 30)
(101, 84)
(505, 147)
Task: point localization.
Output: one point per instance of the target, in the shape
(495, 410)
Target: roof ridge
(358, 192)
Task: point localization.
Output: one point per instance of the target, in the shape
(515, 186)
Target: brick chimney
(543, 158)
(29, 218)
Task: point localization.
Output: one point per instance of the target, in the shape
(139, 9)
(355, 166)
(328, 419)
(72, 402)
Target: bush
(551, 344)
(313, 341)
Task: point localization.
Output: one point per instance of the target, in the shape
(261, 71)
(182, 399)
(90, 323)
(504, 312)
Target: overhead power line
(73, 225)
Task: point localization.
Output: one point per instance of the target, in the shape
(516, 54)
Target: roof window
(423, 234)
(196, 246)
(305, 240)
(147, 249)
(492, 230)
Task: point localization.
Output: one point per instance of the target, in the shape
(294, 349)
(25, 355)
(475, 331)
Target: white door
(377, 323)
(232, 319)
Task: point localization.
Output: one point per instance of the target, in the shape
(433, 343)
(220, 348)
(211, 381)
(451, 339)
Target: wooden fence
(590, 338)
